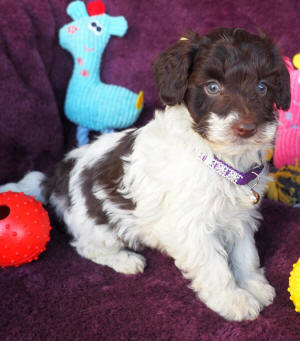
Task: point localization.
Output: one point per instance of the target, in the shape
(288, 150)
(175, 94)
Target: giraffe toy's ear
(96, 8)
(77, 10)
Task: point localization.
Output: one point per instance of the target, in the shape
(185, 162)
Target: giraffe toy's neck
(87, 63)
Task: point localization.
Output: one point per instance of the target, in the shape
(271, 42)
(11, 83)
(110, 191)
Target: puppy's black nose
(245, 129)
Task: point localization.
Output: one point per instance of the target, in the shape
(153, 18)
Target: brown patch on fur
(113, 171)
(107, 173)
(93, 204)
(58, 181)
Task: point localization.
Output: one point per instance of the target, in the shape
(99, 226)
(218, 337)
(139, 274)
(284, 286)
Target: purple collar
(230, 173)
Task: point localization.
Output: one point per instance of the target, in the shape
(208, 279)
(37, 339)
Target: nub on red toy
(24, 229)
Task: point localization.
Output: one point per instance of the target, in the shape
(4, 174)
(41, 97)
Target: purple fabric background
(63, 296)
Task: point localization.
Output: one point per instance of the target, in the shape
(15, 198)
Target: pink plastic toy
(287, 145)
(24, 229)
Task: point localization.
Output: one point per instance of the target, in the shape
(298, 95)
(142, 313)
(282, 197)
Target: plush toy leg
(107, 131)
(82, 136)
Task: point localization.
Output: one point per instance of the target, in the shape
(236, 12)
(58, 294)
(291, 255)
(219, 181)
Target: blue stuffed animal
(90, 103)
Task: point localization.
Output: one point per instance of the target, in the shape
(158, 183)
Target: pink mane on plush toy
(287, 145)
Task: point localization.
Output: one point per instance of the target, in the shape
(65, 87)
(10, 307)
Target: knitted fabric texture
(287, 145)
(285, 186)
(89, 102)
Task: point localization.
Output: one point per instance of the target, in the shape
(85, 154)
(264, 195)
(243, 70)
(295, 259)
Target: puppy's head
(231, 82)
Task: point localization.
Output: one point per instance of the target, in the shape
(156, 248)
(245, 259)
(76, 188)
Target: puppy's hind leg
(102, 245)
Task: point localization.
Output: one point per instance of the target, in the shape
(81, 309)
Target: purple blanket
(62, 296)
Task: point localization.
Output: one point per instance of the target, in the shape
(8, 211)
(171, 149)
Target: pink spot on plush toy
(79, 61)
(24, 229)
(88, 50)
(84, 73)
(72, 29)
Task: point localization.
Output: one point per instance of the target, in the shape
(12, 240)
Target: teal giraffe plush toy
(90, 103)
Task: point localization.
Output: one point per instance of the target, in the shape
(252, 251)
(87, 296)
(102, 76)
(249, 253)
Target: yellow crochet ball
(296, 61)
(294, 286)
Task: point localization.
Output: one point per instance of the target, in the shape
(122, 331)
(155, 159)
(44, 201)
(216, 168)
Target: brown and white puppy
(156, 185)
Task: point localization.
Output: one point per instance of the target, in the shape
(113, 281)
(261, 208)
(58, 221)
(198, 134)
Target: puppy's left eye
(262, 88)
(212, 88)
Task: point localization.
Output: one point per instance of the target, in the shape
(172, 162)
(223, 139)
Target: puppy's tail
(31, 184)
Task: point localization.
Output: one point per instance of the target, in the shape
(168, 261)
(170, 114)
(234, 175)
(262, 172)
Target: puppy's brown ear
(171, 69)
(283, 96)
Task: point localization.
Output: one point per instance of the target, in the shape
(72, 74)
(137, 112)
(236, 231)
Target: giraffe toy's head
(91, 29)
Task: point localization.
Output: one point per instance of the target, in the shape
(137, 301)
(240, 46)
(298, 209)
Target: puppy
(188, 183)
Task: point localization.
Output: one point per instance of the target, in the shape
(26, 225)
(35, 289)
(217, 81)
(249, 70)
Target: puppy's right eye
(212, 88)
(262, 88)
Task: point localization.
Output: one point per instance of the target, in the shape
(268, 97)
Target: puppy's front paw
(235, 305)
(261, 289)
